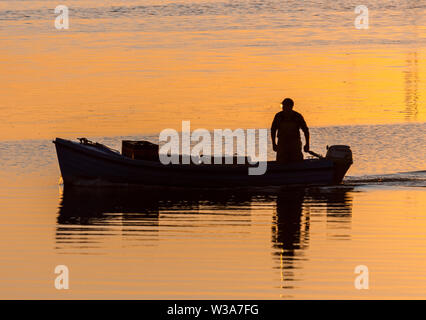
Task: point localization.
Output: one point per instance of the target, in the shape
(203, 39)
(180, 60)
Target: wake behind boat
(87, 163)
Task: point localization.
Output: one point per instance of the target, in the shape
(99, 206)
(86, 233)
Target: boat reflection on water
(89, 218)
(88, 206)
(291, 224)
(84, 206)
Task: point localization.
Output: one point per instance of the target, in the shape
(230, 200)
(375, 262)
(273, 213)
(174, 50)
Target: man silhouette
(288, 124)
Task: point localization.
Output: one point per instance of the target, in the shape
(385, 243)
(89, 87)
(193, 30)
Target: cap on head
(287, 103)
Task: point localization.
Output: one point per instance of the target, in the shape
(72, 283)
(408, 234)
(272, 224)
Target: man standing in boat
(288, 124)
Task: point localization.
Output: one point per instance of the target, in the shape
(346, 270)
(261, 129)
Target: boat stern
(341, 155)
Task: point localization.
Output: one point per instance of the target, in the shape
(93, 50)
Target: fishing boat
(88, 163)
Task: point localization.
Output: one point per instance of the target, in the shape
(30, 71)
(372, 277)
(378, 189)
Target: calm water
(269, 243)
(136, 67)
(128, 69)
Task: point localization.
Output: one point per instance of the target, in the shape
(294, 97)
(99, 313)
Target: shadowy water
(132, 208)
(139, 211)
(291, 224)
(88, 217)
(230, 243)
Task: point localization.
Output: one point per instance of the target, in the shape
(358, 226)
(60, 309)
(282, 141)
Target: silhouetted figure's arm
(305, 130)
(274, 129)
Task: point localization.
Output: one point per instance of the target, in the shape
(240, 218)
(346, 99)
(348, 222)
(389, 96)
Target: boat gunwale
(272, 166)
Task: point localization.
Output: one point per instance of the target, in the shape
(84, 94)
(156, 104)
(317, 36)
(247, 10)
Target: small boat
(87, 163)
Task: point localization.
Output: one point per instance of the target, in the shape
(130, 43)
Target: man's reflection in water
(291, 223)
(289, 232)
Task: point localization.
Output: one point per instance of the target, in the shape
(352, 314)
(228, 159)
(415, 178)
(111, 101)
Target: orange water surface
(129, 69)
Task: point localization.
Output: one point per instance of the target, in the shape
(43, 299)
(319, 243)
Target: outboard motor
(341, 155)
